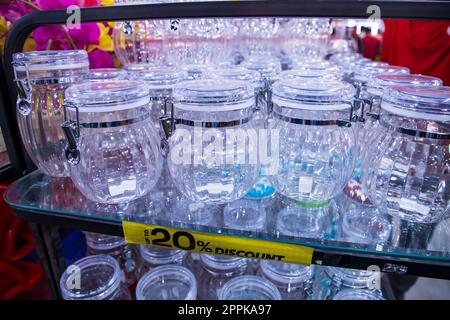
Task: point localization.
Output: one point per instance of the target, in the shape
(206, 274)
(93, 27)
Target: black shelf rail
(345, 257)
(422, 10)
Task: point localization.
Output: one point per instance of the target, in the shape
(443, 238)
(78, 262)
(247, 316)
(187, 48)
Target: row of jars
(103, 131)
(113, 270)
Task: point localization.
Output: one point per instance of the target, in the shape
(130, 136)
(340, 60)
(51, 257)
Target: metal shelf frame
(48, 224)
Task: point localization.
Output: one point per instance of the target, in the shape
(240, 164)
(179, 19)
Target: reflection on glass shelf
(332, 225)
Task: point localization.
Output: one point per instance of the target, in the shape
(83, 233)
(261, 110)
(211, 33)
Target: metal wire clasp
(167, 122)
(71, 130)
(23, 87)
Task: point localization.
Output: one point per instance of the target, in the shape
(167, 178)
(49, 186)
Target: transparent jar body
(154, 257)
(117, 164)
(125, 254)
(212, 272)
(357, 294)
(249, 288)
(186, 213)
(315, 162)
(168, 282)
(40, 118)
(94, 278)
(213, 156)
(406, 176)
(328, 282)
(293, 281)
(139, 41)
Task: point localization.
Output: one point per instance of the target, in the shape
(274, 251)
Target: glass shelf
(40, 198)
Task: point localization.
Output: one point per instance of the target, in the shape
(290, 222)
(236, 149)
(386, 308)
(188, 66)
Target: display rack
(53, 203)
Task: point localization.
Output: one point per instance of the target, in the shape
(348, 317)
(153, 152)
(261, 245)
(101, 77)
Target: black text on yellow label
(217, 244)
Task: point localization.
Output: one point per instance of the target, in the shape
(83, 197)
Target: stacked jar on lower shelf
(114, 270)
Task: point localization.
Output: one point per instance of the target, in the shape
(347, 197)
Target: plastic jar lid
(100, 276)
(357, 294)
(156, 77)
(249, 288)
(304, 74)
(365, 72)
(222, 263)
(169, 282)
(382, 81)
(107, 74)
(99, 241)
(370, 63)
(427, 103)
(213, 95)
(352, 278)
(268, 68)
(51, 60)
(315, 94)
(160, 256)
(108, 96)
(244, 215)
(285, 273)
(237, 73)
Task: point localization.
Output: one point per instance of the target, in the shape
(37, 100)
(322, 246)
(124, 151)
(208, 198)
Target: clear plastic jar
(317, 153)
(41, 80)
(209, 159)
(160, 81)
(94, 278)
(104, 74)
(213, 272)
(154, 257)
(329, 281)
(357, 294)
(125, 254)
(307, 74)
(139, 41)
(292, 280)
(249, 288)
(112, 147)
(406, 165)
(169, 282)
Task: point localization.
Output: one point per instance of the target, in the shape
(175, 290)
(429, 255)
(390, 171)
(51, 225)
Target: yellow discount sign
(217, 244)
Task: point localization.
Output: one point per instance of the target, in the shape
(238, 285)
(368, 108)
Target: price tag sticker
(217, 244)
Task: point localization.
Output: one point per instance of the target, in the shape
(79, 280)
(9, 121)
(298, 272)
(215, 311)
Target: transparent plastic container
(104, 74)
(249, 288)
(212, 272)
(317, 143)
(169, 282)
(94, 278)
(140, 41)
(154, 257)
(292, 280)
(125, 254)
(160, 81)
(210, 160)
(111, 145)
(357, 294)
(405, 168)
(329, 281)
(41, 80)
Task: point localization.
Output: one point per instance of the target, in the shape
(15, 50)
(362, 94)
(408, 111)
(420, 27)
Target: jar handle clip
(71, 130)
